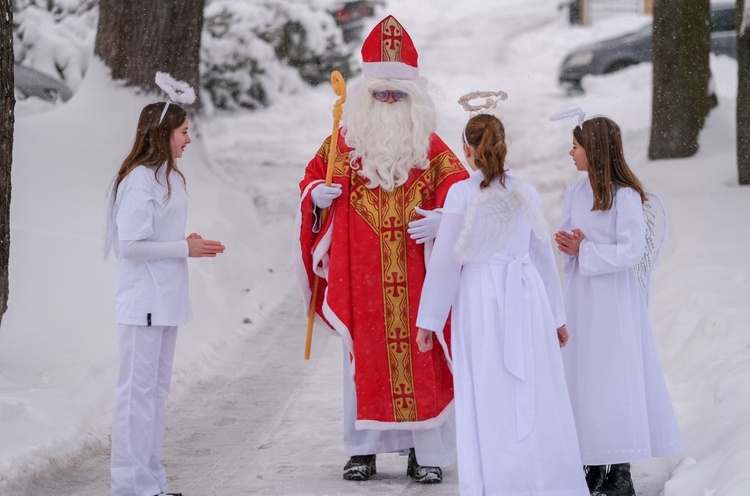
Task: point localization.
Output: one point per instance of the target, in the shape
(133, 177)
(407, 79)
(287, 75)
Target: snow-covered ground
(247, 414)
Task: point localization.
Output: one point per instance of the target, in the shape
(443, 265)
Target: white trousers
(146, 356)
(434, 447)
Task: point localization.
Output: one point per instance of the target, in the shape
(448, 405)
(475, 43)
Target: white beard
(389, 140)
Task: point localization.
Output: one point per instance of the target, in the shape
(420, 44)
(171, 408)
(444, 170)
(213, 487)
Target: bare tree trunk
(681, 45)
(140, 37)
(7, 105)
(743, 97)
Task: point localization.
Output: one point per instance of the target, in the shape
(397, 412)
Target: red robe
(374, 274)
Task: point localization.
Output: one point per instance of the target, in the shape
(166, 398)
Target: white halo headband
(489, 102)
(570, 113)
(177, 91)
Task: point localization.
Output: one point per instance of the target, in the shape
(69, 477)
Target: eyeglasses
(384, 95)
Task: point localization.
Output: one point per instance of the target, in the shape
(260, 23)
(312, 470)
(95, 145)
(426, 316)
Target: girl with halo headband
(622, 408)
(146, 228)
(493, 268)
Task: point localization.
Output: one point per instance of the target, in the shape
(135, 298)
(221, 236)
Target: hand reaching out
(426, 228)
(569, 243)
(199, 247)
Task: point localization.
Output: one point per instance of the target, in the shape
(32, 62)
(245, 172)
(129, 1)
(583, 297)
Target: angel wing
(657, 224)
(490, 218)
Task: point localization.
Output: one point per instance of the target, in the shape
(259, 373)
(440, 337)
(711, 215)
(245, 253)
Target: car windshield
(722, 20)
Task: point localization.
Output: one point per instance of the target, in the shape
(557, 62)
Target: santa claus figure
(391, 173)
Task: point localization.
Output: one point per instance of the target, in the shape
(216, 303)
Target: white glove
(425, 229)
(323, 196)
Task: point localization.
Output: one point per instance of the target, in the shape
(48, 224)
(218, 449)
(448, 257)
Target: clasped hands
(569, 242)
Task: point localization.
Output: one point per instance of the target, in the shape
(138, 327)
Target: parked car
(29, 82)
(613, 54)
(350, 17)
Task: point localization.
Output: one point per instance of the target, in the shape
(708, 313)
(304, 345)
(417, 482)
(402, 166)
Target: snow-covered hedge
(252, 53)
(55, 36)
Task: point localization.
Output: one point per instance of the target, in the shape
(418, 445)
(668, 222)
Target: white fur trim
(339, 328)
(298, 265)
(320, 258)
(408, 426)
(389, 70)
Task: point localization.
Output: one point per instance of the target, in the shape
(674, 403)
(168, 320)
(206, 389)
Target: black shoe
(360, 468)
(595, 475)
(617, 483)
(168, 494)
(423, 475)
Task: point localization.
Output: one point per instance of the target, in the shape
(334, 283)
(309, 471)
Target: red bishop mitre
(389, 53)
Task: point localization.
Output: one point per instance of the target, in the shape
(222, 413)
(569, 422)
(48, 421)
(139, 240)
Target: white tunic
(148, 234)
(515, 428)
(622, 408)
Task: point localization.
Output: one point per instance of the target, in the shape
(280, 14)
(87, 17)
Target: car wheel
(574, 88)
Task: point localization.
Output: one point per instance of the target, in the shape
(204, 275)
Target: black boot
(595, 476)
(360, 468)
(617, 483)
(423, 475)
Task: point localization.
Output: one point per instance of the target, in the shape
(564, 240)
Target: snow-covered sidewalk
(265, 422)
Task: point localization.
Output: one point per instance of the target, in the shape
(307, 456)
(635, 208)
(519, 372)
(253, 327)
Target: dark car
(611, 55)
(350, 17)
(29, 82)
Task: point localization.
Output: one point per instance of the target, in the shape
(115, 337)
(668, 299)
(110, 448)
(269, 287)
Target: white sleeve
(443, 271)
(630, 239)
(569, 261)
(135, 214)
(153, 250)
(543, 258)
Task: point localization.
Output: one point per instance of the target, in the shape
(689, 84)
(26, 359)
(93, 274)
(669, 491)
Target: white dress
(622, 408)
(493, 262)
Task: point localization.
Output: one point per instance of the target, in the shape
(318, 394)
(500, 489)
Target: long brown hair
(152, 144)
(486, 134)
(601, 140)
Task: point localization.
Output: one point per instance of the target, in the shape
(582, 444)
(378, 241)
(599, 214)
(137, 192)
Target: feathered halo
(490, 102)
(570, 113)
(177, 91)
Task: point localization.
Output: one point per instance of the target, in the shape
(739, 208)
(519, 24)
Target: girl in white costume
(146, 228)
(622, 408)
(494, 264)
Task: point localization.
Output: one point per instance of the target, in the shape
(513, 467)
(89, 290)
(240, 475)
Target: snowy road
(266, 422)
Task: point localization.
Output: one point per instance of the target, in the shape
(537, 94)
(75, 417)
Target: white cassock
(622, 408)
(494, 263)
